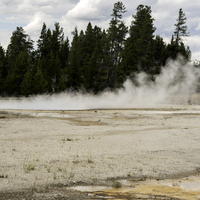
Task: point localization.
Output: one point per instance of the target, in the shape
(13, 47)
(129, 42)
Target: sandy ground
(44, 149)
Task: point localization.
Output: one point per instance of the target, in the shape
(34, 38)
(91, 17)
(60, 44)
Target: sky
(31, 15)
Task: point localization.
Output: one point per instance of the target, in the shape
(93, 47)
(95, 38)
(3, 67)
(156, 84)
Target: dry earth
(45, 153)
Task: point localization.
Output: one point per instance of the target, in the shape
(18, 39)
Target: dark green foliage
(177, 46)
(44, 42)
(160, 53)
(53, 55)
(3, 70)
(181, 27)
(57, 38)
(19, 42)
(93, 62)
(16, 74)
(19, 58)
(96, 59)
(40, 84)
(3, 64)
(64, 53)
(74, 78)
(27, 84)
(61, 85)
(116, 37)
(89, 63)
(138, 52)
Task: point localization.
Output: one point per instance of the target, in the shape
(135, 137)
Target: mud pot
(147, 152)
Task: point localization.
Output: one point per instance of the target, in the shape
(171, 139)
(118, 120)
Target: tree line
(97, 59)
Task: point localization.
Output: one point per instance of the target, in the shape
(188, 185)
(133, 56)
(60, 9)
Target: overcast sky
(30, 14)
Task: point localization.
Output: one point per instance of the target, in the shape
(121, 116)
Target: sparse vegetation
(33, 189)
(29, 167)
(54, 176)
(76, 161)
(68, 139)
(117, 185)
(71, 175)
(48, 169)
(59, 169)
(3, 176)
(90, 161)
(94, 180)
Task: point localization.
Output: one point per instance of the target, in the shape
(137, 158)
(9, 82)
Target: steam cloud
(175, 84)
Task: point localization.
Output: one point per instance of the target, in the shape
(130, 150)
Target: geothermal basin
(146, 152)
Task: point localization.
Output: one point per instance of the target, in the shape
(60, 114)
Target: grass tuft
(3, 176)
(90, 161)
(29, 167)
(117, 185)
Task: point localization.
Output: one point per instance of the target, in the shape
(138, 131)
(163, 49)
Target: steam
(175, 84)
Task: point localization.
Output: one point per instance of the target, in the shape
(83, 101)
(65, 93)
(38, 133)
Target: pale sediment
(41, 148)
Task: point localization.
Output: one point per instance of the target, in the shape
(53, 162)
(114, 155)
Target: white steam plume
(175, 84)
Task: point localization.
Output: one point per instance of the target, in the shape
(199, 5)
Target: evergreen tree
(62, 84)
(19, 57)
(116, 33)
(160, 54)
(181, 28)
(88, 46)
(138, 52)
(19, 42)
(104, 60)
(20, 70)
(74, 76)
(27, 86)
(177, 46)
(53, 55)
(64, 53)
(3, 70)
(40, 84)
(64, 59)
(96, 67)
(44, 42)
(1, 85)
(57, 39)
(44, 52)
(53, 72)
(97, 59)
(172, 49)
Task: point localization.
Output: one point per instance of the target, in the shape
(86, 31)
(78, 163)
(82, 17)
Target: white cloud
(34, 26)
(13, 19)
(196, 55)
(24, 9)
(5, 37)
(198, 26)
(171, 2)
(70, 13)
(86, 10)
(193, 41)
(36, 21)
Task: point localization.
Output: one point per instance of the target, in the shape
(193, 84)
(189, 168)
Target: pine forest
(95, 60)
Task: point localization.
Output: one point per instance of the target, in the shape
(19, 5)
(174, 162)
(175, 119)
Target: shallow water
(188, 183)
(186, 188)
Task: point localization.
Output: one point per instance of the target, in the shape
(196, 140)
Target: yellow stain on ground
(168, 191)
(145, 191)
